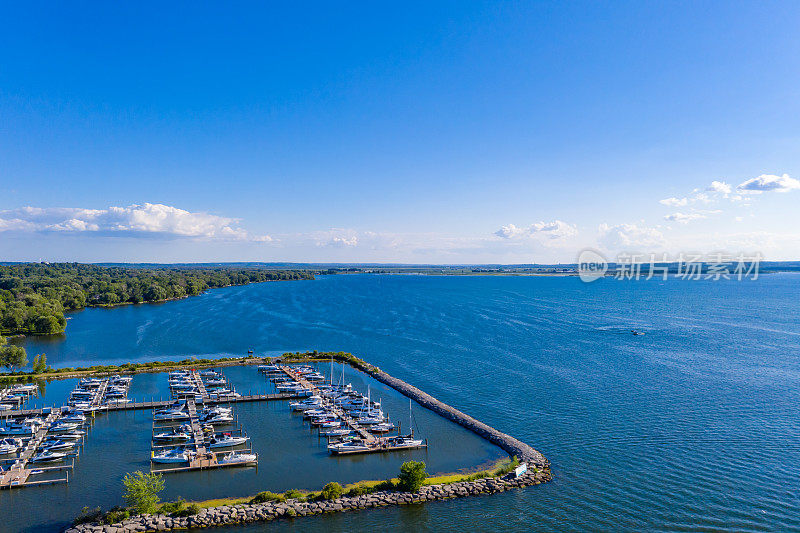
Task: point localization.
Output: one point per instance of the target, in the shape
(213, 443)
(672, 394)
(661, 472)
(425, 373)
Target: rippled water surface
(694, 425)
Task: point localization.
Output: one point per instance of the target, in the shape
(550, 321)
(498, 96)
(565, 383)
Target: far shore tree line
(34, 296)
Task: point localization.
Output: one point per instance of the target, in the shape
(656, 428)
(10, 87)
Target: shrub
(358, 490)
(412, 476)
(189, 510)
(504, 469)
(141, 491)
(331, 491)
(173, 507)
(88, 515)
(117, 514)
(267, 496)
(292, 494)
(291, 512)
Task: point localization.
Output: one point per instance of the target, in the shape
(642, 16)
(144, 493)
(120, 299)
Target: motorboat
(9, 446)
(337, 432)
(47, 456)
(72, 435)
(348, 447)
(176, 455)
(369, 420)
(118, 401)
(181, 433)
(174, 412)
(25, 427)
(63, 427)
(217, 418)
(408, 441)
(226, 440)
(383, 427)
(237, 458)
(73, 416)
(56, 445)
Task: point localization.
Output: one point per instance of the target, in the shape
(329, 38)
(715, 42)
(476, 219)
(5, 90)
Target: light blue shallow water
(693, 426)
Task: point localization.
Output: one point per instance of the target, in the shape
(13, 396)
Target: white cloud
(145, 219)
(550, 230)
(674, 202)
(344, 241)
(627, 236)
(769, 183)
(719, 187)
(684, 218)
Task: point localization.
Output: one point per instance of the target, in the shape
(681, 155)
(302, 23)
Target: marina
(195, 428)
(121, 440)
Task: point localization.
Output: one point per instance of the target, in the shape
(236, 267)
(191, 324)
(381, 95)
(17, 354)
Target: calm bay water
(694, 425)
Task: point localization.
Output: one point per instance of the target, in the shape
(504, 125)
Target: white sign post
(521, 470)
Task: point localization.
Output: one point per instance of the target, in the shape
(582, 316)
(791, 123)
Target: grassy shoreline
(162, 366)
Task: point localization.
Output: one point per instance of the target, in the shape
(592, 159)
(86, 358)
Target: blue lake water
(694, 425)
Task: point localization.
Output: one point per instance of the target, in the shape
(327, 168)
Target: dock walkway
(18, 473)
(329, 404)
(156, 404)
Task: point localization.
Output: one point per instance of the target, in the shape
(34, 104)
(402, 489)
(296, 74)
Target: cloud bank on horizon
(554, 240)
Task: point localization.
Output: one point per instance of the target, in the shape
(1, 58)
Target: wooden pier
(18, 473)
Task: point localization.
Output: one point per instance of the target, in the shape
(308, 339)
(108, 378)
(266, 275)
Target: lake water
(694, 425)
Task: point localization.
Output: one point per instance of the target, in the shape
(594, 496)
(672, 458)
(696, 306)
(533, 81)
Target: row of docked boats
(202, 385)
(183, 454)
(179, 411)
(198, 433)
(13, 397)
(349, 419)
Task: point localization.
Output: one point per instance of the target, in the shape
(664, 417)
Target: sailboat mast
(410, 426)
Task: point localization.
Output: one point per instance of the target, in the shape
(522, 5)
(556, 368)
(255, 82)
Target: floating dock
(205, 458)
(18, 473)
(375, 444)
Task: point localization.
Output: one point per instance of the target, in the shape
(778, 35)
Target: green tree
(331, 491)
(13, 357)
(412, 476)
(46, 325)
(141, 491)
(39, 363)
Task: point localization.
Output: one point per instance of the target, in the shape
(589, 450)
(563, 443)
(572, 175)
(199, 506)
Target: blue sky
(416, 132)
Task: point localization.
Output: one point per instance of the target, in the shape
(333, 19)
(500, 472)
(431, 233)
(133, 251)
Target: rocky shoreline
(264, 512)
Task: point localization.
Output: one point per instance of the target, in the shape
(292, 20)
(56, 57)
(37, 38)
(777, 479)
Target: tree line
(34, 296)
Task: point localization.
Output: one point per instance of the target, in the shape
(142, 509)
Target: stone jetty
(525, 453)
(264, 512)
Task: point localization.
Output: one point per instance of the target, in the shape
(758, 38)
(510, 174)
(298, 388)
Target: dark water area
(694, 425)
